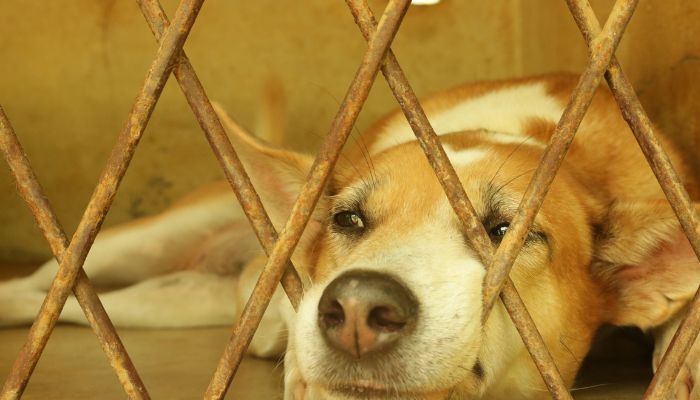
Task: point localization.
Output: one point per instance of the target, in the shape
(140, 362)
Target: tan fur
(604, 248)
(604, 167)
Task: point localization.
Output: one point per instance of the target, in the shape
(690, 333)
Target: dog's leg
(179, 299)
(176, 300)
(270, 338)
(687, 384)
(148, 247)
(205, 236)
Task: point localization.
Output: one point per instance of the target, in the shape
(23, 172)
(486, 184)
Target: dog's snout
(362, 312)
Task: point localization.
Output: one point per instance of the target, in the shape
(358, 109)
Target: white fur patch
(507, 138)
(446, 279)
(143, 250)
(502, 110)
(464, 157)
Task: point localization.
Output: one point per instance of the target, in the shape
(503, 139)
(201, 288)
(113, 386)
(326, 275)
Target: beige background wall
(70, 70)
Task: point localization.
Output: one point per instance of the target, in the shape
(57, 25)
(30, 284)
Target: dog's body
(394, 290)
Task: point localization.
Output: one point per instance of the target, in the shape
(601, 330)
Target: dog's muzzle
(363, 312)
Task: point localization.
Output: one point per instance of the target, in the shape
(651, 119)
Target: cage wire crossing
(170, 57)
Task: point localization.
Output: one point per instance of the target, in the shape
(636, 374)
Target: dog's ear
(276, 174)
(645, 259)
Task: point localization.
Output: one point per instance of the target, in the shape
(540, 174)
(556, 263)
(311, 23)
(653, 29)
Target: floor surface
(174, 364)
(178, 363)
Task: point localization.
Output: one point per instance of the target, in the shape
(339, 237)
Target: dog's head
(394, 296)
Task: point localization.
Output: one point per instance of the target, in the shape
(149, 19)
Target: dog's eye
(498, 231)
(348, 220)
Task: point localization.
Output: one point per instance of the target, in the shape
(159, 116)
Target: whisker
(328, 93)
(568, 349)
(368, 158)
(361, 147)
(508, 157)
(512, 179)
(590, 387)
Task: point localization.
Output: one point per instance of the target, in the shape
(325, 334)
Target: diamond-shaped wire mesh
(170, 57)
(671, 185)
(33, 195)
(100, 202)
(221, 145)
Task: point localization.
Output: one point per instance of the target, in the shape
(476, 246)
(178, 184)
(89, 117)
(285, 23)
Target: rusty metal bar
(602, 49)
(306, 202)
(460, 202)
(221, 145)
(33, 195)
(101, 199)
(675, 355)
(643, 130)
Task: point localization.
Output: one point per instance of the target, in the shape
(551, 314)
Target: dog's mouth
(363, 390)
(374, 390)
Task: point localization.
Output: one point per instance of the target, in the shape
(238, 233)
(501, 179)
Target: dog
(393, 288)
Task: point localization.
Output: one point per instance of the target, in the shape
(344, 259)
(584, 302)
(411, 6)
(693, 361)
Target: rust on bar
(602, 50)
(306, 202)
(678, 197)
(677, 351)
(101, 199)
(33, 195)
(224, 151)
(460, 201)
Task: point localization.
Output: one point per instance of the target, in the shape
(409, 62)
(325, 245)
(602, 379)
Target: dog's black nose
(361, 312)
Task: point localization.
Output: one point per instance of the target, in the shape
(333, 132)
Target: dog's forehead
(401, 178)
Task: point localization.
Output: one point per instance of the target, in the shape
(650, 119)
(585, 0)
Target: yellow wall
(69, 71)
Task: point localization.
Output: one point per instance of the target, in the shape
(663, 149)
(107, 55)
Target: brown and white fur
(605, 248)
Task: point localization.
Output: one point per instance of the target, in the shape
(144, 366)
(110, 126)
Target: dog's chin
(375, 391)
(396, 383)
(297, 388)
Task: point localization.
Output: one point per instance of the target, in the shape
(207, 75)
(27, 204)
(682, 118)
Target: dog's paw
(300, 390)
(687, 384)
(294, 384)
(295, 387)
(19, 303)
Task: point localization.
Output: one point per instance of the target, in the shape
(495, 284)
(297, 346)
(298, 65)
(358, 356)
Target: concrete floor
(177, 364)
(174, 364)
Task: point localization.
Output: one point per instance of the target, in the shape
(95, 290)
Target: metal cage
(170, 57)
